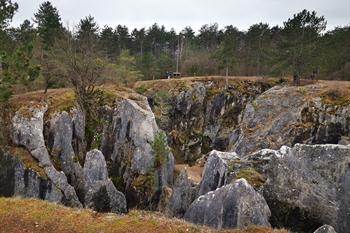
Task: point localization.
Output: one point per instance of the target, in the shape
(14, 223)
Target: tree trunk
(46, 85)
(141, 49)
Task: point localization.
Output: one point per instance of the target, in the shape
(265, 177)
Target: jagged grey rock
(236, 205)
(202, 116)
(28, 132)
(184, 193)
(60, 136)
(216, 170)
(292, 117)
(308, 185)
(133, 128)
(101, 193)
(78, 141)
(325, 229)
(137, 126)
(17, 180)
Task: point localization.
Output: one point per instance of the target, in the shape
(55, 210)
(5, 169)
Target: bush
(160, 149)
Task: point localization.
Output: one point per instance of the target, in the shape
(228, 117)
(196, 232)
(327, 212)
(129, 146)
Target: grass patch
(28, 215)
(253, 177)
(57, 100)
(336, 96)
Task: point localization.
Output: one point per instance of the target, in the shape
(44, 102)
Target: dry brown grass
(194, 172)
(336, 93)
(28, 215)
(56, 99)
(64, 99)
(179, 84)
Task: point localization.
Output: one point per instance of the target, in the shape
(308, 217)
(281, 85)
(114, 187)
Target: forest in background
(43, 53)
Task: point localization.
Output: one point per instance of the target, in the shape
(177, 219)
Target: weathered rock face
(325, 229)
(61, 164)
(133, 130)
(59, 146)
(29, 134)
(78, 139)
(61, 151)
(101, 193)
(236, 205)
(184, 193)
(308, 185)
(200, 116)
(287, 115)
(17, 180)
(216, 171)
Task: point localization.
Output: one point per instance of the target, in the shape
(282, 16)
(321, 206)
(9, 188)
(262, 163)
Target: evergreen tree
(106, 42)
(297, 42)
(7, 11)
(138, 39)
(87, 32)
(228, 52)
(257, 48)
(49, 24)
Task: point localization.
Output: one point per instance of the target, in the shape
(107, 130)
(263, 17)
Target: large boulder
(216, 170)
(183, 194)
(101, 193)
(236, 205)
(308, 186)
(28, 132)
(325, 229)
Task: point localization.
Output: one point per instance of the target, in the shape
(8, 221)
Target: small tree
(78, 59)
(160, 149)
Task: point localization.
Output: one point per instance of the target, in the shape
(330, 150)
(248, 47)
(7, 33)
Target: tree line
(43, 53)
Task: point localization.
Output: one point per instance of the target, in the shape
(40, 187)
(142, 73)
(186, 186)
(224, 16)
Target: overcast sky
(194, 13)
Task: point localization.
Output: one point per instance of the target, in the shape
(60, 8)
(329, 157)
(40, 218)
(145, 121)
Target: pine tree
(297, 42)
(49, 24)
(7, 11)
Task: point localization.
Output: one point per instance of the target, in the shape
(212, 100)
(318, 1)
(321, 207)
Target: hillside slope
(28, 215)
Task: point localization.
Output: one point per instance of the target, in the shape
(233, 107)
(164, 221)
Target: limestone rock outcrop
(216, 170)
(133, 129)
(286, 115)
(183, 194)
(61, 151)
(308, 185)
(236, 205)
(18, 180)
(28, 132)
(101, 193)
(325, 229)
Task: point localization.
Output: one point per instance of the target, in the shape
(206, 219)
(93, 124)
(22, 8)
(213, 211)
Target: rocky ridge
(283, 164)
